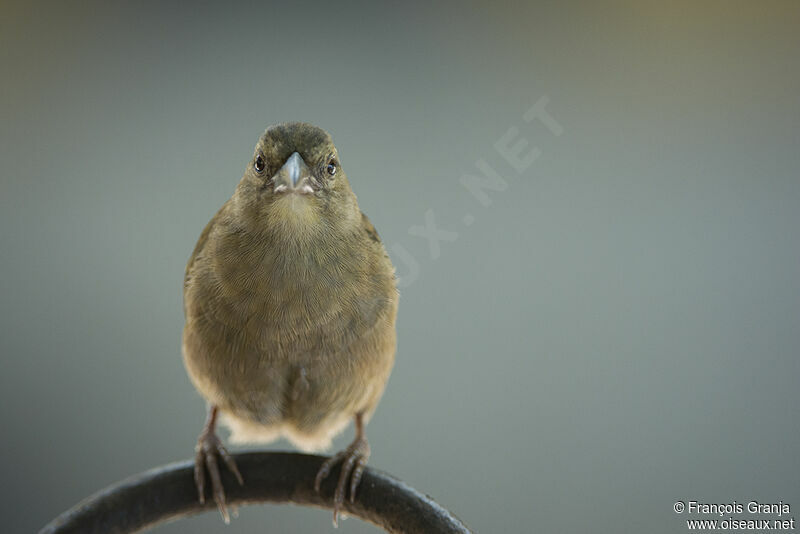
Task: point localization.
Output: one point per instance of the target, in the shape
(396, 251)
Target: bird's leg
(354, 459)
(208, 448)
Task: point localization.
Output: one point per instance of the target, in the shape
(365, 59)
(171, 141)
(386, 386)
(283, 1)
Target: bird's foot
(354, 460)
(208, 448)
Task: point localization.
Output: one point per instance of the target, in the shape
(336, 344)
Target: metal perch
(168, 493)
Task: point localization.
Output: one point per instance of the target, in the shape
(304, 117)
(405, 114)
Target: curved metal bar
(168, 492)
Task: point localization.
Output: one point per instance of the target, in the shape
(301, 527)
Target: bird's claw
(208, 448)
(354, 460)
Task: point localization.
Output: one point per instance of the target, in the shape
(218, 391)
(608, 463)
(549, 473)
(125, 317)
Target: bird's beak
(294, 176)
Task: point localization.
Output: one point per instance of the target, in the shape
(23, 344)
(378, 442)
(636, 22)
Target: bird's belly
(307, 382)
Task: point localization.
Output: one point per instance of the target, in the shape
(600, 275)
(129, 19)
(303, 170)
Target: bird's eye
(258, 165)
(331, 168)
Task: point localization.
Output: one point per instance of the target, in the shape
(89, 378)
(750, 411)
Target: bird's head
(294, 185)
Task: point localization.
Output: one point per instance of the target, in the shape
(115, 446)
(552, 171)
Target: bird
(290, 304)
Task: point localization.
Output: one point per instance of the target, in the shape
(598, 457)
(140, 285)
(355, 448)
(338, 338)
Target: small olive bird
(290, 301)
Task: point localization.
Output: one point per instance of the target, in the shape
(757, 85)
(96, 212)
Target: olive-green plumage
(290, 298)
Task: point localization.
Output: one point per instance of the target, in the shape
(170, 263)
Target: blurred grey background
(618, 330)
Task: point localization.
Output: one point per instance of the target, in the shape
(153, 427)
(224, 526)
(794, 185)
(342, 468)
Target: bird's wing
(369, 228)
(201, 243)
